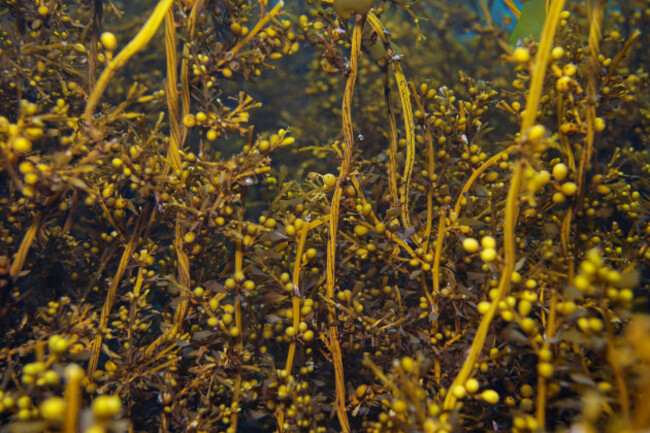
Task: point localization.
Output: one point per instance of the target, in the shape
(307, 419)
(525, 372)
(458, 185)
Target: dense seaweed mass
(452, 235)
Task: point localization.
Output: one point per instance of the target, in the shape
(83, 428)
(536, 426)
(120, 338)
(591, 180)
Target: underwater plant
(331, 215)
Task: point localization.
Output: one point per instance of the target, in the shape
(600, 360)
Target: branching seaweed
(331, 215)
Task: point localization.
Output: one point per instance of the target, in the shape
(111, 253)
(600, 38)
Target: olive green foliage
(530, 22)
(160, 272)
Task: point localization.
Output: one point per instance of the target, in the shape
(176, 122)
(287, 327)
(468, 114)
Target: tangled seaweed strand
(452, 234)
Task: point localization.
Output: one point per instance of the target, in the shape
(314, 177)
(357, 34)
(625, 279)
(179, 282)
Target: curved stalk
(512, 201)
(140, 40)
(344, 169)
